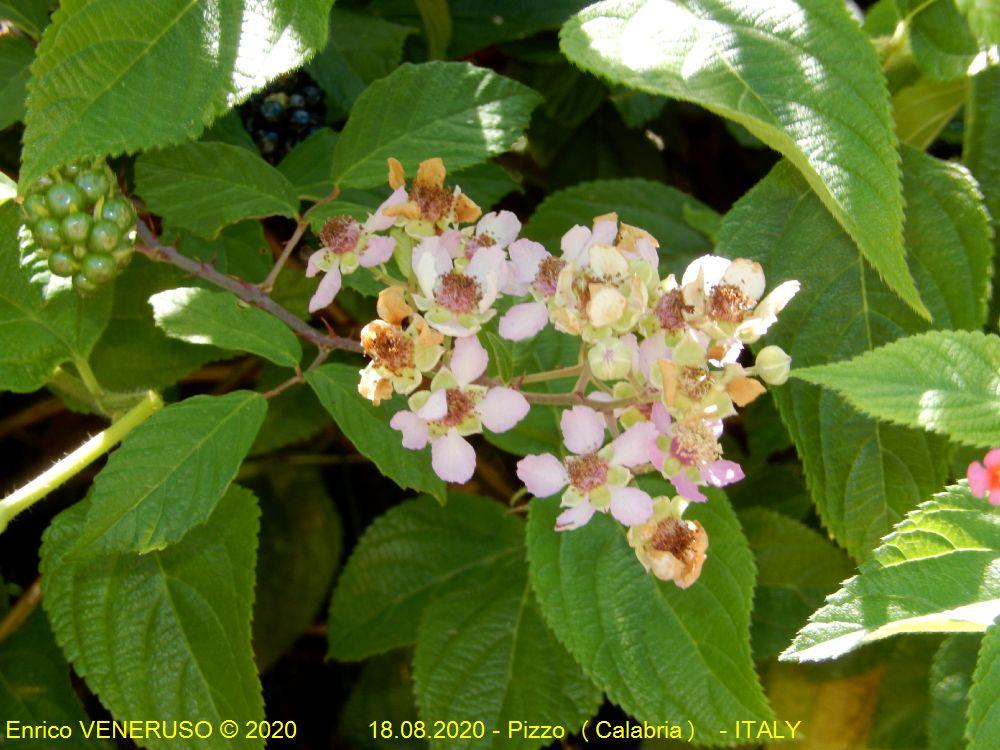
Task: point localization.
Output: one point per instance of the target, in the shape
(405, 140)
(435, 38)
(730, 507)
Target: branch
(302, 223)
(152, 247)
(67, 468)
(22, 610)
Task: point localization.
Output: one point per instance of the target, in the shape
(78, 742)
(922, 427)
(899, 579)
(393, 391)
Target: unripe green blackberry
(81, 224)
(75, 228)
(62, 264)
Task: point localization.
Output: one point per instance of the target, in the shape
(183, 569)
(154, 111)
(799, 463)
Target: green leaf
(951, 679)
(436, 16)
(170, 473)
(803, 78)
(942, 44)
(983, 731)
(35, 687)
(229, 129)
(112, 77)
(16, 54)
(486, 183)
(939, 571)
(943, 381)
(300, 547)
(367, 426)
(308, 165)
(925, 107)
(863, 475)
(490, 633)
(361, 49)
(31, 16)
(165, 634)
(220, 319)
(132, 353)
(203, 187)
(796, 569)
(383, 692)
(984, 20)
(456, 111)
(485, 23)
(39, 335)
(657, 208)
(293, 415)
(981, 153)
(239, 250)
(405, 559)
(658, 651)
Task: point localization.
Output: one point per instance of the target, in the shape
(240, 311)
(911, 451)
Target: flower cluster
(662, 361)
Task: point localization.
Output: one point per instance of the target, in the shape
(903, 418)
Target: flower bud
(610, 359)
(773, 365)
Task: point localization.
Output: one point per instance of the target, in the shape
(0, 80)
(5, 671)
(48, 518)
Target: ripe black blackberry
(81, 224)
(284, 114)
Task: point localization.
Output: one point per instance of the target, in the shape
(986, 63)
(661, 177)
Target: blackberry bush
(284, 114)
(81, 224)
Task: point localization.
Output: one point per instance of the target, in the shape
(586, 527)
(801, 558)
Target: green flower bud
(773, 365)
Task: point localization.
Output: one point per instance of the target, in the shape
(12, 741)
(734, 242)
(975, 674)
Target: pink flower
(531, 269)
(348, 244)
(494, 230)
(597, 476)
(454, 408)
(456, 294)
(678, 452)
(984, 478)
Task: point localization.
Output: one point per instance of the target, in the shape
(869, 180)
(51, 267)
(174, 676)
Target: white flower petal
(630, 505)
(377, 250)
(328, 287)
(575, 517)
(468, 359)
(747, 275)
(414, 429)
(526, 256)
(582, 429)
(524, 321)
(453, 458)
(502, 408)
(435, 407)
(379, 222)
(543, 474)
(631, 448)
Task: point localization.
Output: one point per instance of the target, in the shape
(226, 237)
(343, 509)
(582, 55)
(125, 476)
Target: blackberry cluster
(284, 114)
(81, 224)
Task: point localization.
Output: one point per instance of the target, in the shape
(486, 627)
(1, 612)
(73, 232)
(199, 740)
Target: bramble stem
(541, 377)
(300, 228)
(250, 293)
(21, 610)
(78, 460)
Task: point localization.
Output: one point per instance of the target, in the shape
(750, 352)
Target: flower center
(435, 202)
(458, 292)
(459, 407)
(695, 444)
(672, 535)
(587, 472)
(670, 309)
(389, 347)
(994, 475)
(340, 234)
(695, 382)
(729, 303)
(547, 277)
